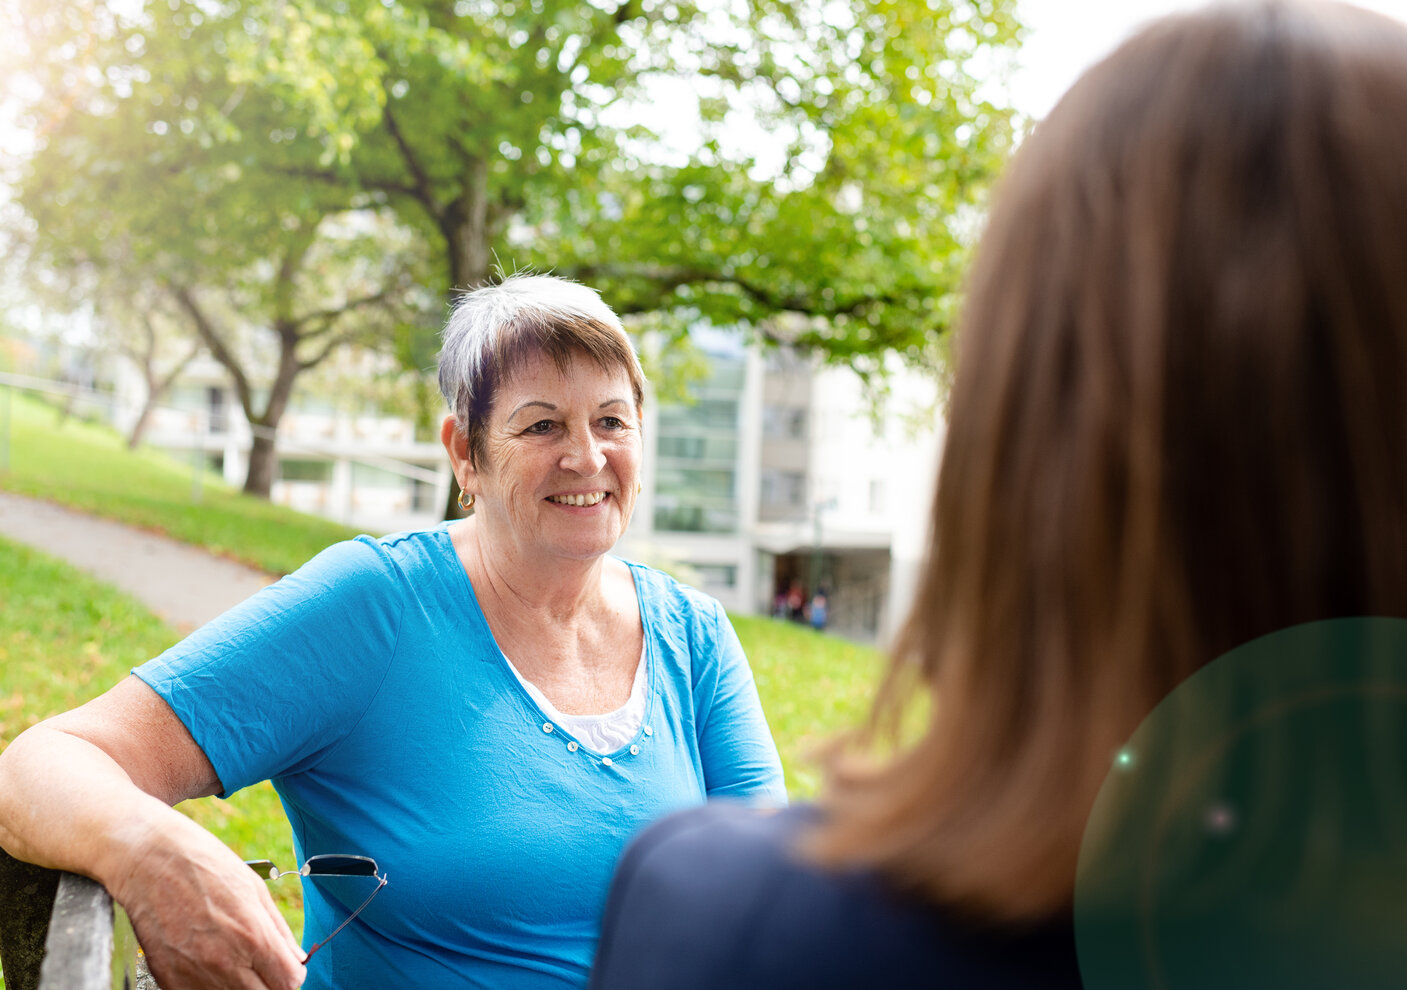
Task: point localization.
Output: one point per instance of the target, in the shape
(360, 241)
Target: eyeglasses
(327, 865)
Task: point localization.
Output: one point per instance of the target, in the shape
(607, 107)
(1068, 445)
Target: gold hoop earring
(466, 506)
(639, 487)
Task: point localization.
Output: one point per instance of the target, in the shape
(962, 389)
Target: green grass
(89, 468)
(812, 686)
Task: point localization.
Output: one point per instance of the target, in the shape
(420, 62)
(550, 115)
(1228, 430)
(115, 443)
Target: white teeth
(583, 500)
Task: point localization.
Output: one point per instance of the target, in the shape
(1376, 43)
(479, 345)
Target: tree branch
(423, 188)
(668, 278)
(167, 380)
(322, 353)
(185, 298)
(331, 178)
(328, 317)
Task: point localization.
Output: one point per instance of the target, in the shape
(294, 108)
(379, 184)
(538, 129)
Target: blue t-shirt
(368, 687)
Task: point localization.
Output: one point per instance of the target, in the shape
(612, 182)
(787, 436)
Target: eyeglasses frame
(353, 866)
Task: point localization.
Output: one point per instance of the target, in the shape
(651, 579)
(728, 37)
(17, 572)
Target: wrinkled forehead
(530, 369)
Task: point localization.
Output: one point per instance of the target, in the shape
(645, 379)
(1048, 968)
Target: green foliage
(856, 245)
(843, 149)
(161, 172)
(88, 467)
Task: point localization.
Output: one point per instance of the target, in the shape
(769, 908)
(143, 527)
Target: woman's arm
(90, 791)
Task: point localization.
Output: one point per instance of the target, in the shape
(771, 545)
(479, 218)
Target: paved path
(184, 585)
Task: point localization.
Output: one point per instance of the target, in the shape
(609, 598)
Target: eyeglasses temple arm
(318, 945)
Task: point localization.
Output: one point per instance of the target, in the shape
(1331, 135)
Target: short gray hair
(494, 329)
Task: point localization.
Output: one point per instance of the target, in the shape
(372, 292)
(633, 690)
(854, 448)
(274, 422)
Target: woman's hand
(203, 918)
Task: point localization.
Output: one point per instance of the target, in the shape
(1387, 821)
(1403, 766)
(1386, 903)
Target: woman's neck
(518, 587)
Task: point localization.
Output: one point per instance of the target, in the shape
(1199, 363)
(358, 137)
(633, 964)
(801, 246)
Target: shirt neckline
(476, 615)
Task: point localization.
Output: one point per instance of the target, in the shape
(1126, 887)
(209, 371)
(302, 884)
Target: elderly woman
(487, 709)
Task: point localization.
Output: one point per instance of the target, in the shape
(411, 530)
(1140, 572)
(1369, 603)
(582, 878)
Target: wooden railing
(59, 931)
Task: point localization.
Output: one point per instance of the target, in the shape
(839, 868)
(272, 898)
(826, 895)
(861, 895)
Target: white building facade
(780, 476)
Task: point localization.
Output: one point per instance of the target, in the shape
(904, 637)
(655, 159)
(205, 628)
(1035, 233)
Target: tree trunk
(134, 439)
(263, 457)
(262, 461)
(467, 229)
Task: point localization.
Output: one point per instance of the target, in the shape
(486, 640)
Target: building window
(877, 497)
(716, 575)
(304, 470)
(215, 406)
(783, 488)
(371, 476)
(696, 518)
(697, 452)
(711, 413)
(699, 448)
(784, 422)
(422, 496)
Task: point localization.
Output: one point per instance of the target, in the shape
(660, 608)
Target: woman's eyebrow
(533, 402)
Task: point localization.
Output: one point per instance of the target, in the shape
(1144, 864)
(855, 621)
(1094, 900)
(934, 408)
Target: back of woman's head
(1179, 422)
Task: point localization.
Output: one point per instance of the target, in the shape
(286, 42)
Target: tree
(158, 172)
(144, 338)
(501, 129)
(308, 318)
(843, 149)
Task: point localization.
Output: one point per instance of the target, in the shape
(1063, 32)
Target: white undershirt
(600, 733)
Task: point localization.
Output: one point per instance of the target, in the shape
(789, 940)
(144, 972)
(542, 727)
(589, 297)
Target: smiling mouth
(587, 499)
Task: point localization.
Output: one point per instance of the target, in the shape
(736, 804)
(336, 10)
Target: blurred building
(363, 468)
(776, 478)
(780, 479)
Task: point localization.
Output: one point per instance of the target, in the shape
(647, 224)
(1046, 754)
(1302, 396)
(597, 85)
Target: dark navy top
(715, 897)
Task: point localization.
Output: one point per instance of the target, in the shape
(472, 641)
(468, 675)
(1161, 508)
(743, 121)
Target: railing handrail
(78, 951)
(89, 943)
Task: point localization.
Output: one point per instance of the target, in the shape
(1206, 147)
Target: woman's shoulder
(725, 894)
(401, 554)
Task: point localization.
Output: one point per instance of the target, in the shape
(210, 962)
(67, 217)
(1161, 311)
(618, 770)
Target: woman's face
(562, 458)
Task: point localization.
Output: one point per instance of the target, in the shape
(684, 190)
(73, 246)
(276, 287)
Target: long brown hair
(1179, 422)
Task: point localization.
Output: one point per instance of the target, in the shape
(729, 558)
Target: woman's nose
(584, 455)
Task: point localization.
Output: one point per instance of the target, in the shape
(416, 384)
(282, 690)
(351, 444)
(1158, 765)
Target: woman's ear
(456, 444)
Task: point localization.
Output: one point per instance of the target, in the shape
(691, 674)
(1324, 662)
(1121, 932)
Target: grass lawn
(89, 468)
(812, 686)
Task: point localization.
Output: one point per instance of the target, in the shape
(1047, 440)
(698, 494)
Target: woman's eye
(613, 423)
(541, 426)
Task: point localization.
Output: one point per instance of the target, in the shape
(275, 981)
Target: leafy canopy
(840, 149)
